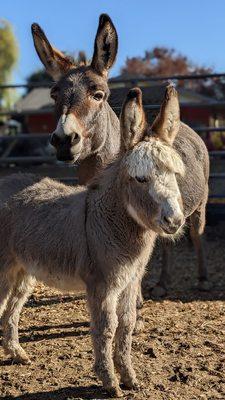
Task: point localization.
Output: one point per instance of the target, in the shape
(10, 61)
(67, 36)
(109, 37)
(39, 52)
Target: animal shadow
(93, 392)
(38, 333)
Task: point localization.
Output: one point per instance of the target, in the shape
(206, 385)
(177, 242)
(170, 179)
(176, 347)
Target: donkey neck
(105, 147)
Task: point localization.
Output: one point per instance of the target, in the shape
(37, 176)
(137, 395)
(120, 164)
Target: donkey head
(80, 92)
(150, 165)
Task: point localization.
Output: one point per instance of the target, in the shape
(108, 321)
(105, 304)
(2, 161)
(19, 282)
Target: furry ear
(54, 61)
(167, 122)
(132, 120)
(106, 46)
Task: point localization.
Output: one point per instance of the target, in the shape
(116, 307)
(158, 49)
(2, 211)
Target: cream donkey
(99, 237)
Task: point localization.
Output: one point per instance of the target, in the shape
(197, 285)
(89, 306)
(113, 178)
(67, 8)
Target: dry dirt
(180, 355)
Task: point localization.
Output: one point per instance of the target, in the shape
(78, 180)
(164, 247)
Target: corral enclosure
(180, 355)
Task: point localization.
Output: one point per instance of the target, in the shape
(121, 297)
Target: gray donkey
(99, 238)
(88, 129)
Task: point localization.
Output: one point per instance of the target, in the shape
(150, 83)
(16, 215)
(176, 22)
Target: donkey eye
(98, 95)
(141, 179)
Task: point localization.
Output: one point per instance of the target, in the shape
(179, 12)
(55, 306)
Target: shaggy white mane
(147, 157)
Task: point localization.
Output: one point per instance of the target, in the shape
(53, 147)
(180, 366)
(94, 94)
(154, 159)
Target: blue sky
(195, 28)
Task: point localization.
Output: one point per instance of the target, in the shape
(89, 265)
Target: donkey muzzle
(71, 140)
(65, 146)
(171, 225)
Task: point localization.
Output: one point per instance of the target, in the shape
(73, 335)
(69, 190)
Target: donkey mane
(153, 154)
(145, 158)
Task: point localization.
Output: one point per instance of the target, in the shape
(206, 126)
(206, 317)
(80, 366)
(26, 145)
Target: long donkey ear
(106, 46)
(167, 122)
(132, 120)
(54, 61)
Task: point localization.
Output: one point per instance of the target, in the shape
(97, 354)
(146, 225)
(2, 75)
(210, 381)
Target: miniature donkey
(88, 129)
(99, 238)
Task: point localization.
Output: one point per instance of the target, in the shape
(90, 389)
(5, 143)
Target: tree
(162, 61)
(8, 59)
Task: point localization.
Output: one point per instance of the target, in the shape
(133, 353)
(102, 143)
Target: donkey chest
(121, 271)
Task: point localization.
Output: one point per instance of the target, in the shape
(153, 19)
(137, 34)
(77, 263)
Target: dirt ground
(179, 356)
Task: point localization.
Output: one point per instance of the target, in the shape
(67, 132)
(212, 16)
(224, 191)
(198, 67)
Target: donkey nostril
(54, 139)
(170, 222)
(167, 220)
(75, 138)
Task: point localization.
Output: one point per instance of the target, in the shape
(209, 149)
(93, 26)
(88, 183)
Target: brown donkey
(88, 129)
(99, 238)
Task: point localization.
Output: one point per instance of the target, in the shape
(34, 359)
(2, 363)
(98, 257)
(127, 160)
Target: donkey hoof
(158, 291)
(16, 352)
(205, 286)
(131, 384)
(139, 327)
(19, 356)
(25, 360)
(136, 387)
(114, 391)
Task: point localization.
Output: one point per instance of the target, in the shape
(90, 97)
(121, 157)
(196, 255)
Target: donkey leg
(197, 225)
(139, 304)
(126, 312)
(21, 290)
(5, 289)
(103, 327)
(160, 289)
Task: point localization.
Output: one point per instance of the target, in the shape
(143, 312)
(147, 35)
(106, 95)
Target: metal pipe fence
(124, 80)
